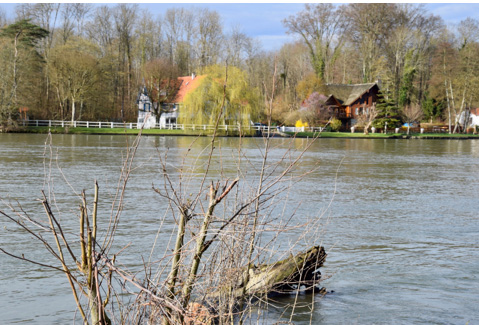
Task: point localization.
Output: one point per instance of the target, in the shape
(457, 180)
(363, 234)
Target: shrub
(335, 124)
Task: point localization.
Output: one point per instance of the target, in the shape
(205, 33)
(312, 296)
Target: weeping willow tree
(204, 104)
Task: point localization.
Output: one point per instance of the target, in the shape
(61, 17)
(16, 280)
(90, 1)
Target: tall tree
(73, 17)
(370, 24)
(209, 37)
(321, 26)
(409, 50)
(44, 15)
(24, 37)
(125, 16)
(160, 81)
(73, 72)
(237, 47)
(101, 29)
(148, 34)
(465, 82)
(178, 26)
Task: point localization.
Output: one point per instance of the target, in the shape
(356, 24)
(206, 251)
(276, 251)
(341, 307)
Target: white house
(146, 113)
(469, 117)
(171, 96)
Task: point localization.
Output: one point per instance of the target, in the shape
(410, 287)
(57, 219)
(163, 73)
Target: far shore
(165, 132)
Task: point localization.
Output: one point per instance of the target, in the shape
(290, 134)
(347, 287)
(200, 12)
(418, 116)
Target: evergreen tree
(20, 60)
(387, 111)
(432, 108)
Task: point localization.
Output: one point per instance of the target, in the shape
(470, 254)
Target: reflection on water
(402, 230)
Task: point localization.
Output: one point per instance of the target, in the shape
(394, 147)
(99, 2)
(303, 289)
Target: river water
(400, 221)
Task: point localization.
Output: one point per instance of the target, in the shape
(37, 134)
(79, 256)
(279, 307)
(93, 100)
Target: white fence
(110, 125)
(75, 124)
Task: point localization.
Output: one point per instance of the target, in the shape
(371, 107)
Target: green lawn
(84, 130)
(346, 135)
(446, 135)
(383, 136)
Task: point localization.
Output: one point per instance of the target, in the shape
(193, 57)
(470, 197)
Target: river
(401, 222)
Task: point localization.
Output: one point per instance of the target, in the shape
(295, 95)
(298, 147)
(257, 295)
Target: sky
(264, 20)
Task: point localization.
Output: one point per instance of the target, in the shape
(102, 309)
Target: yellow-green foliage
(310, 84)
(335, 124)
(204, 104)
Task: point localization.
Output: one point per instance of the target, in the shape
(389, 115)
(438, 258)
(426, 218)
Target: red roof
(188, 84)
(173, 91)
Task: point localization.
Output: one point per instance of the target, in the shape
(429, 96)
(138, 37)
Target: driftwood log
(296, 272)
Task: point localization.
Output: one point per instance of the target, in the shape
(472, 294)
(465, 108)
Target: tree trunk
(285, 276)
(73, 110)
(448, 106)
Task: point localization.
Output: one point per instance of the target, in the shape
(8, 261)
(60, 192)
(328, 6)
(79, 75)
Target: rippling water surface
(401, 222)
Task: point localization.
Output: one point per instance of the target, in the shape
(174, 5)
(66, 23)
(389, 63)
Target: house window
(357, 110)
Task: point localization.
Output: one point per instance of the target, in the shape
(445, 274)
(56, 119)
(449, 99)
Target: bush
(335, 124)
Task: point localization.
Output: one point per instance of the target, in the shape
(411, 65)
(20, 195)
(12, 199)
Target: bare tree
(369, 27)
(160, 78)
(101, 28)
(178, 29)
(73, 17)
(321, 26)
(237, 47)
(73, 73)
(125, 17)
(466, 81)
(148, 34)
(209, 37)
(367, 117)
(82, 12)
(412, 114)
(67, 24)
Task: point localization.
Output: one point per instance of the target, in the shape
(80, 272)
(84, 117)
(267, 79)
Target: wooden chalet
(347, 102)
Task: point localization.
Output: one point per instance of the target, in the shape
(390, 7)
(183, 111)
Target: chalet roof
(188, 84)
(347, 94)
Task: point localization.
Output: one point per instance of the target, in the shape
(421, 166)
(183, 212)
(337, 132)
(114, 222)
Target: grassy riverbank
(385, 136)
(345, 135)
(160, 132)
